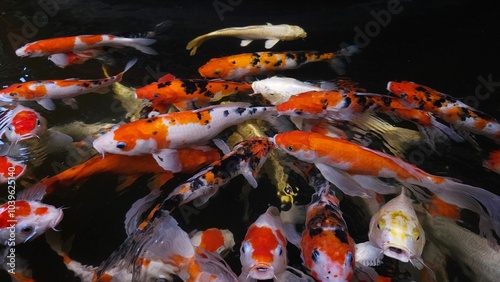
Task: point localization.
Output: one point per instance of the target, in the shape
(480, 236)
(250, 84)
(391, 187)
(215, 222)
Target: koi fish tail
(119, 76)
(471, 198)
(341, 58)
(195, 43)
(437, 129)
(141, 44)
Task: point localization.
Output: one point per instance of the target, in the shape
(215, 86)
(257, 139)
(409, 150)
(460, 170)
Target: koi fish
(69, 44)
(353, 169)
(278, 89)
(213, 240)
(63, 60)
(45, 90)
(342, 105)
(160, 134)
(272, 34)
(181, 92)
(470, 250)
(449, 109)
(263, 253)
(327, 249)
(493, 161)
(165, 251)
(191, 160)
(26, 220)
(237, 66)
(10, 169)
(396, 231)
(23, 123)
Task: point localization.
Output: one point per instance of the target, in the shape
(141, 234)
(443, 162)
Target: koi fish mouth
(261, 271)
(397, 252)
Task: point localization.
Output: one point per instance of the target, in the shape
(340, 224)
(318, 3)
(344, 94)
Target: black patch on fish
(278, 63)
(233, 62)
(19, 86)
(240, 111)
(164, 84)
(198, 115)
(301, 58)
(255, 59)
(149, 120)
(342, 235)
(197, 184)
(290, 56)
(209, 94)
(189, 86)
(347, 102)
(226, 86)
(226, 113)
(254, 110)
(315, 231)
(387, 101)
(315, 255)
(266, 62)
(86, 85)
(155, 132)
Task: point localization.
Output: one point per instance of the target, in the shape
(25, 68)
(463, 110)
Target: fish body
(68, 44)
(449, 109)
(63, 60)
(327, 249)
(396, 230)
(272, 34)
(159, 134)
(11, 169)
(44, 91)
(263, 252)
(354, 169)
(278, 89)
(23, 123)
(26, 220)
(237, 66)
(169, 90)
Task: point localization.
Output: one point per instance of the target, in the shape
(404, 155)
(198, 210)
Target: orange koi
(27, 220)
(180, 92)
(160, 134)
(238, 66)
(10, 169)
(449, 109)
(191, 160)
(354, 169)
(44, 91)
(82, 43)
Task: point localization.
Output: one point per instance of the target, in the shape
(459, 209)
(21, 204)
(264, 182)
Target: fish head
(294, 32)
(296, 143)
(22, 221)
(263, 250)
(214, 240)
(326, 265)
(217, 68)
(399, 235)
(25, 123)
(130, 139)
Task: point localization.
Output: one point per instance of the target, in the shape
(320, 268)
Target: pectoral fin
(368, 255)
(270, 43)
(168, 159)
(47, 104)
(245, 42)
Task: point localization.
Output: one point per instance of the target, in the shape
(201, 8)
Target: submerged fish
(238, 66)
(272, 34)
(68, 44)
(23, 123)
(44, 91)
(22, 221)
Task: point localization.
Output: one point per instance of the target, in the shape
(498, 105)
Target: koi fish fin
(343, 181)
(248, 173)
(245, 42)
(203, 199)
(270, 43)
(337, 63)
(292, 235)
(166, 78)
(34, 193)
(419, 264)
(138, 208)
(72, 102)
(295, 215)
(61, 60)
(124, 182)
(168, 159)
(365, 273)
(293, 275)
(47, 104)
(186, 105)
(142, 44)
(222, 146)
(368, 255)
(57, 141)
(376, 185)
(158, 180)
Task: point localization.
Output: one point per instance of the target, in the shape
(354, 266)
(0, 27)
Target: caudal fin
(341, 59)
(142, 44)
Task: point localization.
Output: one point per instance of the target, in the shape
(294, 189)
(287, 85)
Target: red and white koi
(214, 240)
(23, 220)
(160, 134)
(22, 123)
(44, 91)
(182, 92)
(353, 169)
(63, 60)
(456, 113)
(238, 66)
(68, 44)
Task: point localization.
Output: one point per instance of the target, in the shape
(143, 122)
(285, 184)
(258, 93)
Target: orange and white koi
(456, 113)
(493, 161)
(214, 240)
(11, 169)
(396, 231)
(23, 123)
(353, 169)
(160, 134)
(44, 91)
(63, 60)
(272, 34)
(23, 220)
(238, 66)
(68, 44)
(181, 92)
(327, 249)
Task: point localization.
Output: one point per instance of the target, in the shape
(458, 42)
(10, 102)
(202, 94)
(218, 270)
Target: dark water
(451, 46)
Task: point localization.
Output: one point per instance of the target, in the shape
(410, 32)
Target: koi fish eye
(38, 123)
(416, 235)
(348, 258)
(315, 255)
(10, 127)
(156, 95)
(381, 224)
(121, 145)
(290, 148)
(245, 248)
(27, 229)
(279, 250)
